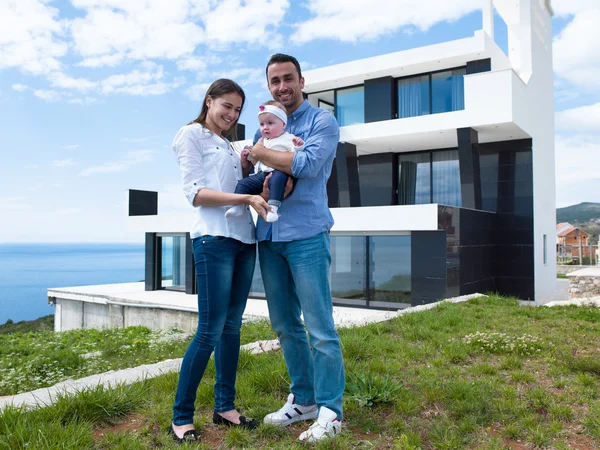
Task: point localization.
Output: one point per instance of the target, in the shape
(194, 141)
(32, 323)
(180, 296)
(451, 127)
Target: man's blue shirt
(305, 213)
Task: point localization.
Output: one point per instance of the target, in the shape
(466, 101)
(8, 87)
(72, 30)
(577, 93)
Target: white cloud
(583, 118)
(71, 146)
(576, 53)
(31, 166)
(29, 40)
(350, 21)
(146, 30)
(577, 162)
(63, 163)
(570, 7)
(197, 91)
(252, 21)
(244, 76)
(48, 95)
(60, 80)
(136, 82)
(132, 159)
(102, 61)
(83, 101)
(20, 87)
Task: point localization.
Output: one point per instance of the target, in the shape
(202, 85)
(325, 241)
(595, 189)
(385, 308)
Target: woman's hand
(259, 205)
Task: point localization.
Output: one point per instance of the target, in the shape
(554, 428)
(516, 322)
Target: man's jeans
(224, 269)
(296, 278)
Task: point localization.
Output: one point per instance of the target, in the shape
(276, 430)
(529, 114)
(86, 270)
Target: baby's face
(271, 126)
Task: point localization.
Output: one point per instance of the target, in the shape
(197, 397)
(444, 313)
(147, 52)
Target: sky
(93, 91)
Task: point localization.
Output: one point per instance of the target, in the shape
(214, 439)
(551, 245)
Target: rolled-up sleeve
(189, 155)
(318, 148)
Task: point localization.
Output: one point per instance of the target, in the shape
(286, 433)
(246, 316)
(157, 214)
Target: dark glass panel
(347, 271)
(376, 179)
(390, 269)
(446, 178)
(414, 179)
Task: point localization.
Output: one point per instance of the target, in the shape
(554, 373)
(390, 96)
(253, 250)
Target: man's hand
(289, 185)
(298, 142)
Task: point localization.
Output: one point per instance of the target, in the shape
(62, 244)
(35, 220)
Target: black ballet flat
(249, 424)
(188, 436)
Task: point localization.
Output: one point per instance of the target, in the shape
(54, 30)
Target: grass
(33, 360)
(448, 378)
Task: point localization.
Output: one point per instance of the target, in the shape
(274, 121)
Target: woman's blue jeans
(224, 269)
(296, 278)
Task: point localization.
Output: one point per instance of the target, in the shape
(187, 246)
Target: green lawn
(486, 374)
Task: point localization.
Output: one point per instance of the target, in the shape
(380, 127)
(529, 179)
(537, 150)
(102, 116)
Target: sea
(28, 270)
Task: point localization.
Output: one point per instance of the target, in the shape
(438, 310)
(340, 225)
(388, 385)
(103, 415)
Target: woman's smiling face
(223, 112)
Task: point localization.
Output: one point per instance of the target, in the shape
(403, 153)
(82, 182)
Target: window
(347, 270)
(414, 179)
(350, 106)
(448, 91)
(390, 269)
(413, 96)
(172, 262)
(545, 249)
(446, 178)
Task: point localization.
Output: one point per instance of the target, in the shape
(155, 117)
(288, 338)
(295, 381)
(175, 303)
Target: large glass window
(448, 91)
(414, 179)
(446, 178)
(172, 262)
(350, 106)
(347, 270)
(375, 174)
(413, 96)
(390, 270)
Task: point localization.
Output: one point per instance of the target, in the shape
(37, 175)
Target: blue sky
(93, 91)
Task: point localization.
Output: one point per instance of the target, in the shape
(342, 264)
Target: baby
(272, 120)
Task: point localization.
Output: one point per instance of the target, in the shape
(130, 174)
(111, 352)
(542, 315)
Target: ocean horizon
(28, 270)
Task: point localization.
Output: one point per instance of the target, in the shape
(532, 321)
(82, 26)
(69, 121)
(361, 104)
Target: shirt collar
(301, 110)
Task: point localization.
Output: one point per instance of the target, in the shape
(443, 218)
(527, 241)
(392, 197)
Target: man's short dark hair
(278, 58)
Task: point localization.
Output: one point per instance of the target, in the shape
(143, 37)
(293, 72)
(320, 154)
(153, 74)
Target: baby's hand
(298, 142)
(246, 155)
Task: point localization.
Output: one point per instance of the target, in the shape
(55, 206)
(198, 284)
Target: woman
(224, 254)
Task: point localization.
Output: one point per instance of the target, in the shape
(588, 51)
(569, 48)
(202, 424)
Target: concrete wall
(73, 314)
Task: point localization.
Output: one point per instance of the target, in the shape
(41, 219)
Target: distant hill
(579, 214)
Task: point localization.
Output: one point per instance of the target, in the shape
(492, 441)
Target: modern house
(443, 182)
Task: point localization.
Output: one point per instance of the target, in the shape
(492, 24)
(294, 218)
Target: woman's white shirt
(208, 161)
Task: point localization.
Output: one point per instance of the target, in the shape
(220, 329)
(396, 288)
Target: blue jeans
(254, 185)
(224, 269)
(296, 278)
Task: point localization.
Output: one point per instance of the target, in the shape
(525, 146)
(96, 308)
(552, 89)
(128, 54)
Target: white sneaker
(291, 413)
(326, 427)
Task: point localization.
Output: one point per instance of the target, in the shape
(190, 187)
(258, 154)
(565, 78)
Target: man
(295, 258)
